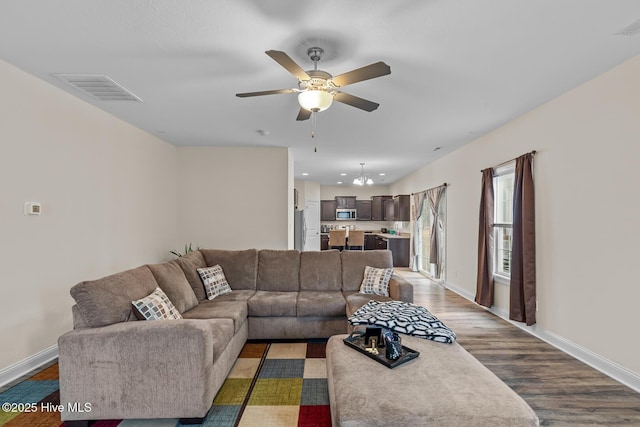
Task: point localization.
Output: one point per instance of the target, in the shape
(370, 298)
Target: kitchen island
(398, 244)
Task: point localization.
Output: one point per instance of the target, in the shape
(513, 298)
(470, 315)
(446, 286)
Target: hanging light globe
(315, 100)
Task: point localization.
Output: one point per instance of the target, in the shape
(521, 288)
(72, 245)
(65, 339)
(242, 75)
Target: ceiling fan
(317, 89)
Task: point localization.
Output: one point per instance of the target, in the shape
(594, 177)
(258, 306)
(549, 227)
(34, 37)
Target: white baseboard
(608, 367)
(23, 367)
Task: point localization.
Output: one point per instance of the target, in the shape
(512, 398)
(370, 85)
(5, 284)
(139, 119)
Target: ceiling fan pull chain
(313, 124)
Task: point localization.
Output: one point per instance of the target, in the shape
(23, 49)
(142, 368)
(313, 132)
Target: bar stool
(356, 239)
(337, 239)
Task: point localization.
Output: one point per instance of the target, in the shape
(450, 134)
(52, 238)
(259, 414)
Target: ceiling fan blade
(266, 92)
(355, 101)
(303, 114)
(288, 63)
(365, 73)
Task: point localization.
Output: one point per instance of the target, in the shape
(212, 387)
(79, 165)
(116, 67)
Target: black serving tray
(356, 341)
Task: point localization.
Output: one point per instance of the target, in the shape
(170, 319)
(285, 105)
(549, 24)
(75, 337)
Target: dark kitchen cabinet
(377, 207)
(381, 243)
(345, 202)
(363, 210)
(400, 249)
(327, 210)
(369, 242)
(402, 208)
(389, 210)
(324, 242)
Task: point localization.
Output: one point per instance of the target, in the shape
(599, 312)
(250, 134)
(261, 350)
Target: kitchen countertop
(385, 235)
(394, 236)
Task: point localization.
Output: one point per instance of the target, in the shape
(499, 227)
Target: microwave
(346, 214)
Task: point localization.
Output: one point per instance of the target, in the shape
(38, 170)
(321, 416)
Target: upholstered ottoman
(444, 386)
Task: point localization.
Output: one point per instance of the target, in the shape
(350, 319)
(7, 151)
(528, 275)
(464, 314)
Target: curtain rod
(424, 191)
(508, 161)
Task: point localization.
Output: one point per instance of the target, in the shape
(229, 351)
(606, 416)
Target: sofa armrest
(138, 369)
(400, 289)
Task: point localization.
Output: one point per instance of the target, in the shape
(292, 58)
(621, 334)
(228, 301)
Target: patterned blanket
(405, 318)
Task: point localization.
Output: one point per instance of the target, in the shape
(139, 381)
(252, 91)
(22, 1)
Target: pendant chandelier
(363, 178)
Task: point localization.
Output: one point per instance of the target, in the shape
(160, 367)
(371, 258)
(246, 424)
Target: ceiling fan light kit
(317, 89)
(315, 100)
(362, 179)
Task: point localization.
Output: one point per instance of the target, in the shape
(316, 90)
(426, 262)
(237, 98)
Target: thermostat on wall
(32, 208)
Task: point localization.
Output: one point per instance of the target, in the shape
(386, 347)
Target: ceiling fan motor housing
(320, 80)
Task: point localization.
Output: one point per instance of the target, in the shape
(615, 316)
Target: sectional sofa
(125, 368)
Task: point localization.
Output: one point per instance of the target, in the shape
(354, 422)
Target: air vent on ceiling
(98, 86)
(630, 30)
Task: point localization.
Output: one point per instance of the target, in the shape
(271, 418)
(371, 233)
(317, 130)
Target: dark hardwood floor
(562, 390)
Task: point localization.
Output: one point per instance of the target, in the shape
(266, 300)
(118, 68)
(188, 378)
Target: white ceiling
(459, 68)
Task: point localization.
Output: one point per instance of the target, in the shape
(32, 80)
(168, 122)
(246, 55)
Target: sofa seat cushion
(318, 303)
(215, 309)
(174, 283)
(107, 301)
(278, 270)
(355, 300)
(236, 296)
(273, 304)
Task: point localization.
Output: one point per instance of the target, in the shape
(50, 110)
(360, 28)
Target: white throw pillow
(155, 306)
(376, 281)
(215, 284)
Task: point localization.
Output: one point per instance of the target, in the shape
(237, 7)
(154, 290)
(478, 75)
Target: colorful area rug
(275, 384)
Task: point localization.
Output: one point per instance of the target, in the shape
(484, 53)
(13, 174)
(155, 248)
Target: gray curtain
(484, 284)
(418, 204)
(434, 195)
(522, 307)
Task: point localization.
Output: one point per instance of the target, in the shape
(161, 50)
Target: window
(503, 181)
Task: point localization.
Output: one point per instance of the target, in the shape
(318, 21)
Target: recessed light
(304, 174)
(382, 174)
(339, 182)
(343, 174)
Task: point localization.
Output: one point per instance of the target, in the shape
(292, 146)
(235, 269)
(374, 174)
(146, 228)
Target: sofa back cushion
(175, 285)
(354, 262)
(107, 301)
(190, 263)
(320, 271)
(278, 270)
(240, 268)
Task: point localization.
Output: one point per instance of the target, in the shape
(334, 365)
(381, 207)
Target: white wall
(108, 199)
(308, 190)
(587, 210)
(235, 198)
